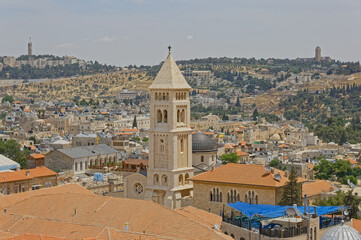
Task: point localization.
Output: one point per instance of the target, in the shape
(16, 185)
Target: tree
(135, 124)
(275, 163)
(238, 103)
(33, 138)
(292, 193)
(230, 158)
(255, 114)
(7, 98)
(12, 150)
(341, 198)
(145, 139)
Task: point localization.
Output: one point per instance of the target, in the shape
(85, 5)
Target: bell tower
(170, 138)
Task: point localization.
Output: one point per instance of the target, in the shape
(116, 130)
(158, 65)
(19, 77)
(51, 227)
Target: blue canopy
(98, 177)
(273, 211)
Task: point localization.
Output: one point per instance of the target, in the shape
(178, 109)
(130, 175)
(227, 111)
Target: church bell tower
(170, 138)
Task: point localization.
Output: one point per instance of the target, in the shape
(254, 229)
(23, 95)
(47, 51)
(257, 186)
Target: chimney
(272, 171)
(27, 173)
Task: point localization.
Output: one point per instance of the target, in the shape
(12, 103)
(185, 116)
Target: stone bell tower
(170, 138)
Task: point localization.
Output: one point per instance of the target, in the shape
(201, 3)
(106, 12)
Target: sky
(124, 32)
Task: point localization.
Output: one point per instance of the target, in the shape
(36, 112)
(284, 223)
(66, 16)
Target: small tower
(170, 138)
(318, 54)
(30, 48)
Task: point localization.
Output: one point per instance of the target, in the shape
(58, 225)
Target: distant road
(10, 82)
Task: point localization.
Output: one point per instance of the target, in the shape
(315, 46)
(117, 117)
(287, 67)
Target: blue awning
(273, 211)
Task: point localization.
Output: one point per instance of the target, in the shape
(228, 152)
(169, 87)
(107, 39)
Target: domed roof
(99, 117)
(341, 232)
(275, 136)
(202, 143)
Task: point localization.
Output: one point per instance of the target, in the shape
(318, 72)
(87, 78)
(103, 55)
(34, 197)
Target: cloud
(190, 37)
(105, 39)
(65, 45)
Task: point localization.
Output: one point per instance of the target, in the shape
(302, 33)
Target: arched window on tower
(183, 116)
(161, 146)
(155, 179)
(186, 178)
(180, 180)
(181, 145)
(159, 116)
(167, 96)
(164, 180)
(163, 96)
(178, 116)
(165, 116)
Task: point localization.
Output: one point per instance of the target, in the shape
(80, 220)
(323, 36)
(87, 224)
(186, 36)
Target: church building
(170, 139)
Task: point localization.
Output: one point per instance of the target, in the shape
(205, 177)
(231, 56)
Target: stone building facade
(170, 138)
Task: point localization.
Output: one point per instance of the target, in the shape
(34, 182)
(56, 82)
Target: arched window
(232, 235)
(159, 116)
(183, 116)
(156, 96)
(202, 158)
(211, 196)
(178, 116)
(216, 195)
(251, 197)
(164, 180)
(155, 179)
(165, 116)
(76, 167)
(167, 96)
(163, 96)
(181, 145)
(186, 178)
(233, 196)
(161, 145)
(315, 233)
(81, 166)
(180, 179)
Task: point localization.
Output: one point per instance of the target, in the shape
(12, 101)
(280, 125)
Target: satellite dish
(291, 212)
(277, 177)
(346, 213)
(216, 226)
(267, 168)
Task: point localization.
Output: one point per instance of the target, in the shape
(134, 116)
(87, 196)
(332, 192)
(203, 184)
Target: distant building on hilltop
(318, 54)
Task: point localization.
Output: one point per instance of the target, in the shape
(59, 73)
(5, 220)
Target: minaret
(30, 48)
(170, 138)
(318, 54)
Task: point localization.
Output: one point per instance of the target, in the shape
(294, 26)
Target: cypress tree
(292, 193)
(135, 125)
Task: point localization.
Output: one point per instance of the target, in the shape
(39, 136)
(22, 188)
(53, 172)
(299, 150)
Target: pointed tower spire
(169, 76)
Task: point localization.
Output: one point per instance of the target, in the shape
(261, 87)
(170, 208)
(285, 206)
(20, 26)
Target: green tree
(324, 169)
(255, 114)
(145, 139)
(230, 158)
(33, 138)
(135, 124)
(12, 150)
(275, 163)
(7, 98)
(292, 193)
(341, 198)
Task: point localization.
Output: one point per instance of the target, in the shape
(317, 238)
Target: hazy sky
(123, 32)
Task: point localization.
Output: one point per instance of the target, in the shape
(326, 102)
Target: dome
(341, 232)
(202, 143)
(99, 117)
(275, 137)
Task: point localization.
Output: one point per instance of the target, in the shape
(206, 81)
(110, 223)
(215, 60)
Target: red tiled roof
(129, 130)
(21, 175)
(245, 174)
(315, 188)
(37, 156)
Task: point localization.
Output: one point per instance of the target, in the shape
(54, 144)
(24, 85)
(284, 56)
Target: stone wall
(58, 162)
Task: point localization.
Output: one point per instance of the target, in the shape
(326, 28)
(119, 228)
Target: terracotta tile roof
(16, 102)
(33, 237)
(350, 160)
(310, 166)
(37, 156)
(129, 130)
(283, 146)
(21, 175)
(229, 145)
(356, 224)
(124, 133)
(245, 174)
(136, 162)
(242, 143)
(203, 217)
(241, 153)
(315, 188)
(51, 212)
(27, 110)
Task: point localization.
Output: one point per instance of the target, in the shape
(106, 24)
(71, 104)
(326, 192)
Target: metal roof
(87, 151)
(7, 163)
